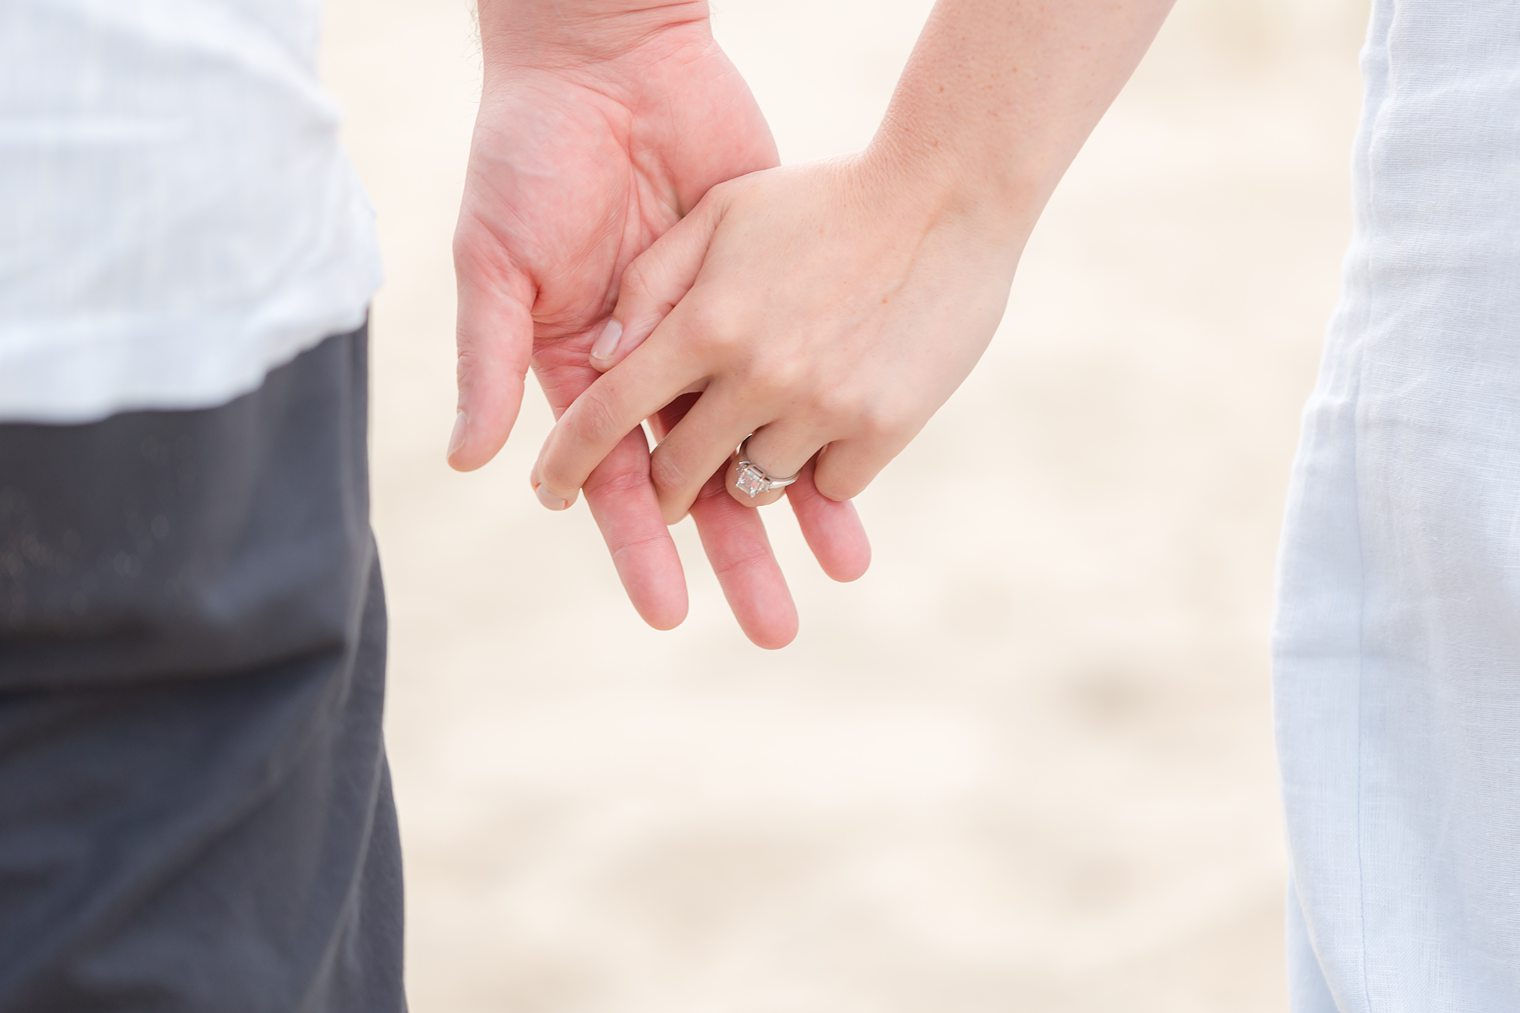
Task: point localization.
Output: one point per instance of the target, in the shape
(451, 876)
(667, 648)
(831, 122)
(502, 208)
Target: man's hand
(598, 130)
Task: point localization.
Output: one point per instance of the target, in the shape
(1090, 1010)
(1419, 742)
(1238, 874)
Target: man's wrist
(555, 34)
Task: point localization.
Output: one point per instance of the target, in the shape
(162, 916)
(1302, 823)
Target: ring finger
(773, 453)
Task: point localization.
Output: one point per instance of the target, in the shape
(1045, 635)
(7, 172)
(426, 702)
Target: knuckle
(467, 365)
(876, 420)
(782, 381)
(552, 472)
(841, 407)
(741, 561)
(763, 384)
(710, 326)
(616, 482)
(831, 485)
(785, 378)
(666, 470)
(638, 284)
(624, 548)
(595, 421)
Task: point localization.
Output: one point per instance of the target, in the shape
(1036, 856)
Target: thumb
(495, 335)
(656, 280)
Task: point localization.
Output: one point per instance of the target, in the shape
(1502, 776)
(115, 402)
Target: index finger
(605, 413)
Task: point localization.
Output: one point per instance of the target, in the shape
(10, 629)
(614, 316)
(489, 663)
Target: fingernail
(548, 498)
(607, 341)
(456, 440)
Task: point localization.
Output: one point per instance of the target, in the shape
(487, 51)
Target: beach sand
(1025, 763)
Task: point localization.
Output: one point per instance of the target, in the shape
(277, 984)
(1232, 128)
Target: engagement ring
(752, 480)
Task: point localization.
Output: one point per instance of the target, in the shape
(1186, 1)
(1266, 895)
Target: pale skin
(829, 309)
(603, 122)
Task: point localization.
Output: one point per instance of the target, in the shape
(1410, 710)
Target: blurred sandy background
(1026, 763)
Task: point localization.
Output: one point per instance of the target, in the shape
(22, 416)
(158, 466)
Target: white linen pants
(1397, 637)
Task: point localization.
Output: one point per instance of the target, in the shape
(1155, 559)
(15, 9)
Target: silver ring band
(752, 480)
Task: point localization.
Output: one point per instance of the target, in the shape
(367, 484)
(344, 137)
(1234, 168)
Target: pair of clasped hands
(626, 233)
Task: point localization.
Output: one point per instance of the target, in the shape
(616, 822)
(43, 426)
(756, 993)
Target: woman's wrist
(908, 168)
(579, 34)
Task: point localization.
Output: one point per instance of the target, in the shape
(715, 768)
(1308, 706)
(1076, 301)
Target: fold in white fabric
(178, 213)
(1397, 641)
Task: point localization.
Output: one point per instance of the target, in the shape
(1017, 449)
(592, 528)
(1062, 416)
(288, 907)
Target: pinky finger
(842, 470)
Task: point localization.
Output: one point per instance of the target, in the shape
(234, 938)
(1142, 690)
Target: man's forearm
(548, 33)
(999, 95)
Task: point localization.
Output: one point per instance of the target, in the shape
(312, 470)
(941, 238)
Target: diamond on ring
(751, 480)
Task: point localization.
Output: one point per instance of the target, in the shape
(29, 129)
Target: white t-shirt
(177, 215)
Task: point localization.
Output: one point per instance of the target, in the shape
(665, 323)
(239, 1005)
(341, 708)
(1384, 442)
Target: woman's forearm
(826, 311)
(999, 95)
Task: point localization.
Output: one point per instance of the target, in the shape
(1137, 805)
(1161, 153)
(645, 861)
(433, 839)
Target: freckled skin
(827, 310)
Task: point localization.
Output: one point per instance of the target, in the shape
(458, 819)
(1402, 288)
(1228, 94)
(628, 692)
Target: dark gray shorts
(195, 808)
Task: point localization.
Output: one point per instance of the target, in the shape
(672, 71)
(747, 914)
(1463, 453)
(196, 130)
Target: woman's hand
(601, 125)
(827, 309)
